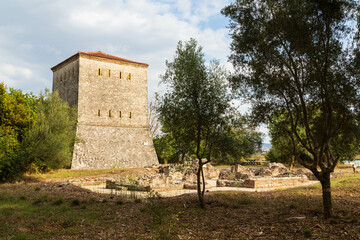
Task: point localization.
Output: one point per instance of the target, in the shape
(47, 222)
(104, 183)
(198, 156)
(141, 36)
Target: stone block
(230, 183)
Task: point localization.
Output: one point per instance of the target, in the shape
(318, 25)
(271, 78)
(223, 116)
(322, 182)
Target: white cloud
(13, 71)
(184, 7)
(21, 77)
(147, 31)
(44, 33)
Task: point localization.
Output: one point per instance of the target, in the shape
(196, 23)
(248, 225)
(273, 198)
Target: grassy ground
(47, 211)
(69, 173)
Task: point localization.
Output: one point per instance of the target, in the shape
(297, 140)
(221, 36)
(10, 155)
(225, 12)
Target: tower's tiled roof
(99, 55)
(108, 56)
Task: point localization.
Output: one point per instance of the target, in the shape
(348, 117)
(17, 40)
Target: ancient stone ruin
(170, 177)
(275, 175)
(167, 177)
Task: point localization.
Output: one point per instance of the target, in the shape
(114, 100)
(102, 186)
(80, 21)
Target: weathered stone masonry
(111, 96)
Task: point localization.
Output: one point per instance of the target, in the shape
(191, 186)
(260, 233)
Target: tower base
(102, 147)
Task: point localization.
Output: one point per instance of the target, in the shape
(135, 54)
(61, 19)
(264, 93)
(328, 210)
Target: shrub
(59, 202)
(16, 115)
(75, 202)
(307, 233)
(36, 133)
(246, 201)
(38, 201)
(50, 140)
(23, 198)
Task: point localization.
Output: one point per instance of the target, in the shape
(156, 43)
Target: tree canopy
(236, 141)
(51, 138)
(16, 116)
(294, 57)
(37, 133)
(196, 103)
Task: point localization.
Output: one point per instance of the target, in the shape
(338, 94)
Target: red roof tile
(96, 54)
(104, 55)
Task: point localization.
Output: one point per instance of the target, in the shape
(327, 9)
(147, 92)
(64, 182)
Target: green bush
(75, 202)
(59, 202)
(51, 138)
(36, 133)
(16, 115)
(22, 198)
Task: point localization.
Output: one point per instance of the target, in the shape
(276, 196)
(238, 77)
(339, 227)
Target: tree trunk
(326, 190)
(198, 176)
(292, 162)
(203, 183)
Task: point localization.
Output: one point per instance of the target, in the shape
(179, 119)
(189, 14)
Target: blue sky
(36, 35)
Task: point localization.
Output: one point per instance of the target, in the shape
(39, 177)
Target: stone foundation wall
(274, 182)
(113, 147)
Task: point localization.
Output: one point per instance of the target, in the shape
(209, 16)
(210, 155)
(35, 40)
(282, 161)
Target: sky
(36, 35)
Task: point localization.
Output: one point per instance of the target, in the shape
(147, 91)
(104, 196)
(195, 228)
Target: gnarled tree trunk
(326, 191)
(200, 191)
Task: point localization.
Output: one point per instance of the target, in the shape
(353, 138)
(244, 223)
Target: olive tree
(195, 105)
(295, 57)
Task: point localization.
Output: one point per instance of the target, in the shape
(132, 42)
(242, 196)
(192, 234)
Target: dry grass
(69, 173)
(39, 211)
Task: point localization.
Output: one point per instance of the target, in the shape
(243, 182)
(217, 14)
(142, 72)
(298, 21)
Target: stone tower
(111, 98)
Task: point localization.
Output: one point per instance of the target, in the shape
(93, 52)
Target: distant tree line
(37, 133)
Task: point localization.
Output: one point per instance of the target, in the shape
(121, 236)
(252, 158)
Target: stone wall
(66, 82)
(115, 94)
(113, 147)
(274, 182)
(111, 97)
(266, 182)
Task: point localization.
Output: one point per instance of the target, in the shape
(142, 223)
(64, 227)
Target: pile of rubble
(169, 176)
(165, 177)
(190, 177)
(276, 174)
